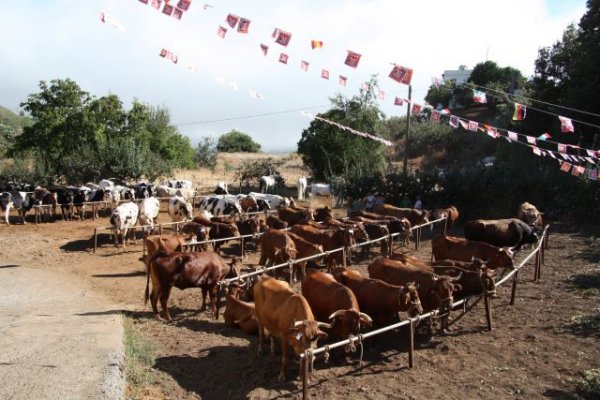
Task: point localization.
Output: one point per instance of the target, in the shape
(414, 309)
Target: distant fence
(307, 358)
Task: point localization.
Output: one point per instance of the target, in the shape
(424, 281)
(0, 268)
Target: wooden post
(305, 377)
(344, 257)
(514, 288)
(95, 239)
(242, 252)
(160, 229)
(411, 343)
(488, 311)
(536, 264)
(538, 260)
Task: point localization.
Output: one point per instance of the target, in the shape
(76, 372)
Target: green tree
(236, 141)
(206, 152)
(329, 151)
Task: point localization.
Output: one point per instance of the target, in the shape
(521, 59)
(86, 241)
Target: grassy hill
(11, 119)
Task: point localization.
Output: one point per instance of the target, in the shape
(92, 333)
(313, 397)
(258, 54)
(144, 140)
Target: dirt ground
(537, 347)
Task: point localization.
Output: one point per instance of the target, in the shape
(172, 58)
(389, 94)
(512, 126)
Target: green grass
(588, 386)
(139, 356)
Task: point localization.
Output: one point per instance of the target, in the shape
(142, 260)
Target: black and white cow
(65, 197)
(178, 183)
(82, 196)
(123, 218)
(126, 193)
(179, 209)
(22, 202)
(273, 200)
(221, 188)
(220, 206)
(144, 190)
(6, 203)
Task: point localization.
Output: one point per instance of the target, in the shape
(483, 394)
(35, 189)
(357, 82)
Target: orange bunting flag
(316, 44)
(283, 38)
(232, 20)
(566, 125)
(324, 74)
(283, 58)
(401, 74)
(304, 65)
(343, 80)
(520, 111)
(221, 32)
(352, 59)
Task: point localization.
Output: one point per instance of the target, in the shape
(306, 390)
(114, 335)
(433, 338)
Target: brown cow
(274, 222)
(323, 213)
(305, 249)
(186, 270)
(451, 214)
(329, 239)
(293, 216)
(476, 277)
(277, 247)
(434, 291)
(379, 299)
(287, 316)
(240, 313)
(452, 248)
(331, 301)
(249, 226)
(198, 232)
(394, 225)
(220, 230)
(248, 204)
(165, 244)
(511, 232)
(414, 216)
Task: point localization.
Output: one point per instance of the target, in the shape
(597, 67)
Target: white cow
(179, 209)
(123, 218)
(165, 191)
(6, 203)
(302, 186)
(267, 183)
(273, 200)
(149, 209)
(105, 184)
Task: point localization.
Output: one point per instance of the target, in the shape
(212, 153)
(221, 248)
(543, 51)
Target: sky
(208, 90)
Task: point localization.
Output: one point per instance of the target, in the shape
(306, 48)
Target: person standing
(418, 204)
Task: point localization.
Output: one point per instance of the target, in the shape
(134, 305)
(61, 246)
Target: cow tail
(147, 293)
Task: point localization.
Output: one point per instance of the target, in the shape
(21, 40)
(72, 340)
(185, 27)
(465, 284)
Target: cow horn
(366, 317)
(298, 323)
(323, 325)
(335, 314)
(456, 278)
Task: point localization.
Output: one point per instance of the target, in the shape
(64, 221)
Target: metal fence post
(95, 239)
(411, 343)
(514, 288)
(488, 311)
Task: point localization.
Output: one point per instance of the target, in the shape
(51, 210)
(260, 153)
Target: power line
(208, 121)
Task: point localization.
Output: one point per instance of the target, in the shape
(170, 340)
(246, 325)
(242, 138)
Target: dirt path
(59, 338)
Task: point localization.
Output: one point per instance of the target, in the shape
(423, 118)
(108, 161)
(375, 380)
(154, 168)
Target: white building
(459, 76)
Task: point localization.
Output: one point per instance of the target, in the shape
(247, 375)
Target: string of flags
(348, 129)
(115, 23)
(169, 9)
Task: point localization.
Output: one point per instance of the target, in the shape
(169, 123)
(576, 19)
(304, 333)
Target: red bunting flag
(168, 55)
(221, 32)
(416, 108)
(398, 101)
(283, 38)
(493, 132)
(343, 80)
(479, 96)
(435, 116)
(324, 74)
(177, 13)
(264, 48)
(243, 25)
(565, 166)
(520, 111)
(561, 148)
(352, 59)
(454, 121)
(304, 65)
(566, 125)
(316, 44)
(577, 170)
(144, 1)
(283, 58)
(184, 5)
(401, 74)
(381, 95)
(232, 20)
(156, 3)
(473, 126)
(168, 9)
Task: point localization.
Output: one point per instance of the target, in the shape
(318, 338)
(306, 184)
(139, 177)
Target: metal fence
(307, 358)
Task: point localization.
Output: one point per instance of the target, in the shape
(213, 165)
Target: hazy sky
(45, 39)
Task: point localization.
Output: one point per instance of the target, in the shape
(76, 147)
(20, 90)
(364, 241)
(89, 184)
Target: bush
(588, 386)
(237, 142)
(206, 153)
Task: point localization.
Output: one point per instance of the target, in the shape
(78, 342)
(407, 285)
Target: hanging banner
(401, 74)
(352, 59)
(232, 20)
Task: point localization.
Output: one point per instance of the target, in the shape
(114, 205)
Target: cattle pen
(307, 358)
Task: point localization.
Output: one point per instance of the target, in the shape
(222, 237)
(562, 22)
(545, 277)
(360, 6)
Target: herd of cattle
(340, 301)
(335, 303)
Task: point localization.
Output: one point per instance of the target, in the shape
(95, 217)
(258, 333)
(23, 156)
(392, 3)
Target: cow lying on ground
(452, 248)
(286, 316)
(511, 232)
(331, 301)
(240, 313)
(187, 270)
(380, 300)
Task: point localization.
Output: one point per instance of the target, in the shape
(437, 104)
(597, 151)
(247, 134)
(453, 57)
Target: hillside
(11, 119)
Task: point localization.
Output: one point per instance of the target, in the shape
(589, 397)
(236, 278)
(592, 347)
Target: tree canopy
(329, 151)
(78, 137)
(237, 142)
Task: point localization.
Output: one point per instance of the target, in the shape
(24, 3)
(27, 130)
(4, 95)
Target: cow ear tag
(299, 336)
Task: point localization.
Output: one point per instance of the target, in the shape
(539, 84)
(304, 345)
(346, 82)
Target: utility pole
(408, 107)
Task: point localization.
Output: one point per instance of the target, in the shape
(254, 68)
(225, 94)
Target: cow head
(235, 268)
(348, 322)
(443, 289)
(185, 209)
(302, 334)
(504, 258)
(487, 280)
(321, 214)
(408, 299)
